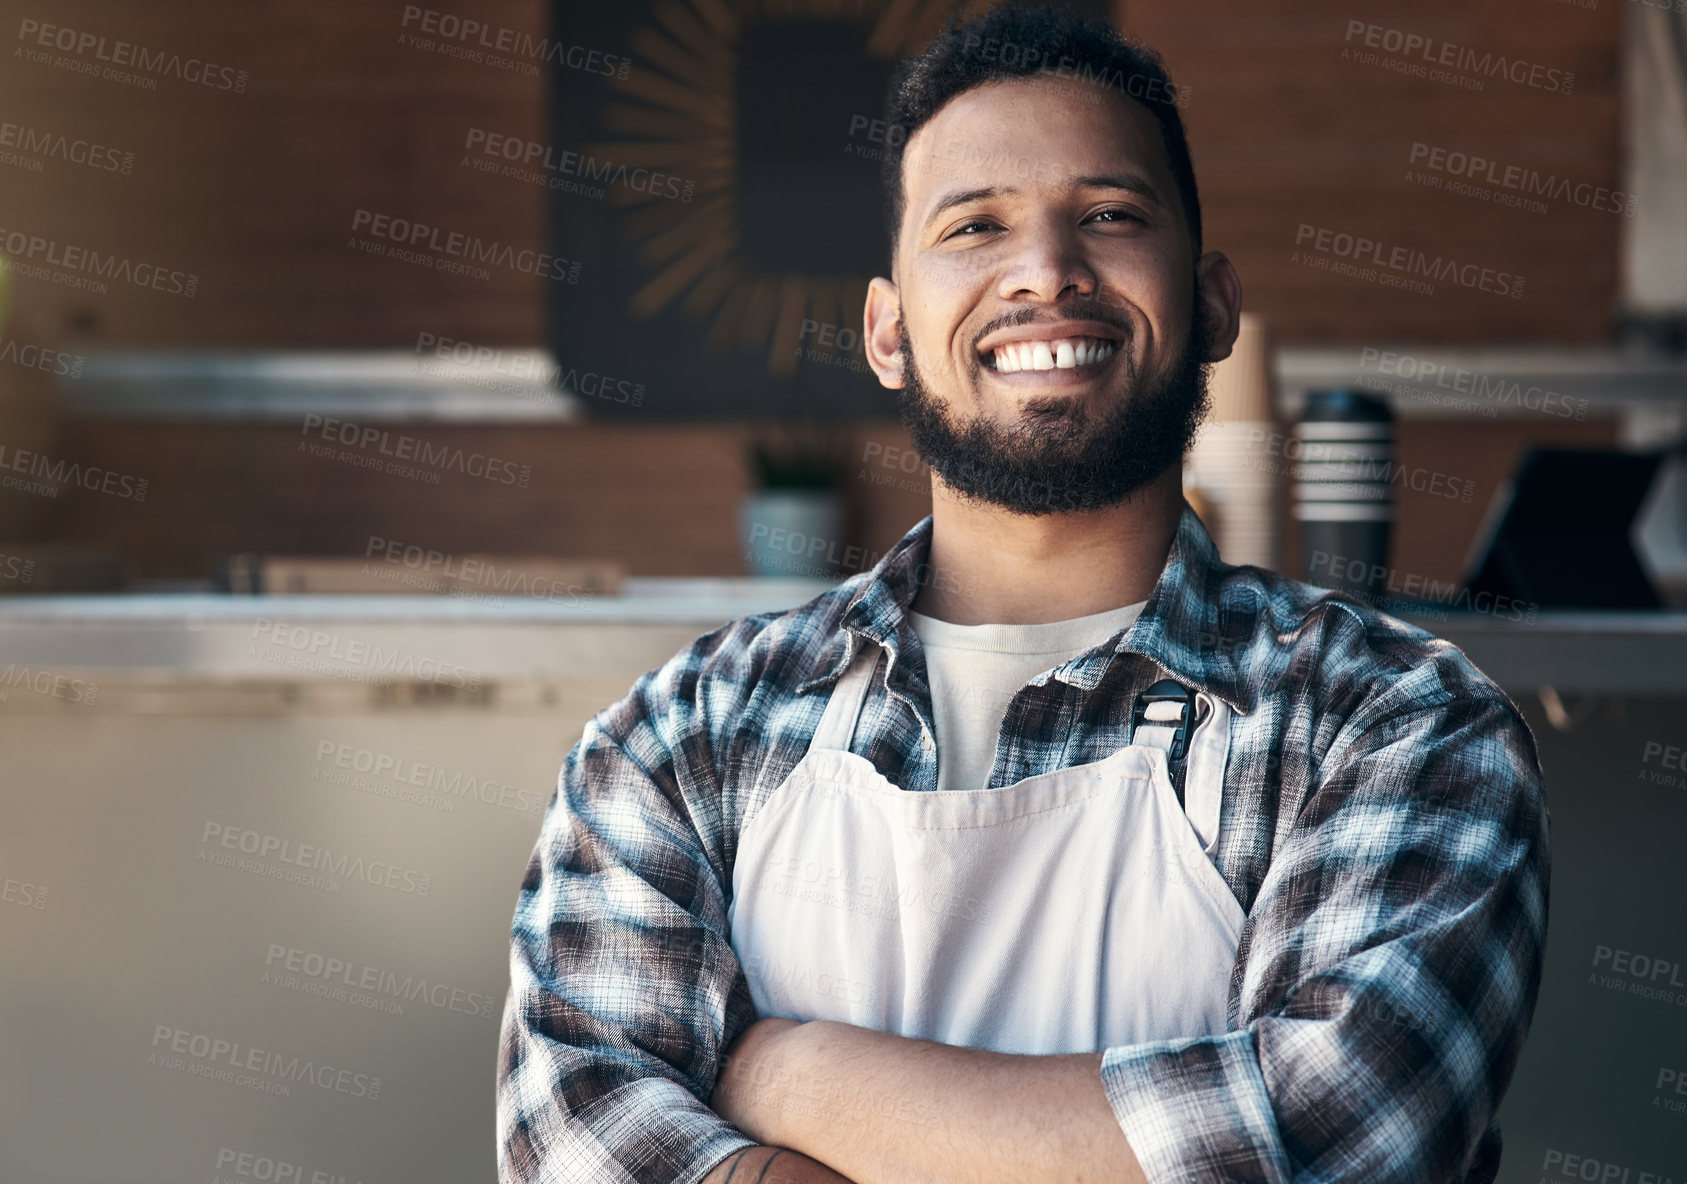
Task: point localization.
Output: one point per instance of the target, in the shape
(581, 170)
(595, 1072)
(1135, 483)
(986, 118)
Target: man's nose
(1047, 264)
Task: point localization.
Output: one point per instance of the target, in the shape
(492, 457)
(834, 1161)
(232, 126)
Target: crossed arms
(882, 1109)
(1385, 978)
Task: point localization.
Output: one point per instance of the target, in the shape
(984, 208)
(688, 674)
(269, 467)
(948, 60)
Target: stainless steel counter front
(244, 835)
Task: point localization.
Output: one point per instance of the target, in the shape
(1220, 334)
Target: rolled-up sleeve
(1387, 972)
(624, 987)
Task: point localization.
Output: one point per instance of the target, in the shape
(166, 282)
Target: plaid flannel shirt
(1383, 827)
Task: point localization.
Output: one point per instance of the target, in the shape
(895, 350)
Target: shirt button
(926, 742)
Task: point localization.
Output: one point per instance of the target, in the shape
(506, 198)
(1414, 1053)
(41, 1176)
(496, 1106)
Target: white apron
(1069, 912)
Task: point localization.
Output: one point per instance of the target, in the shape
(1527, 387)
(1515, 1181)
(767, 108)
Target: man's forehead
(1029, 132)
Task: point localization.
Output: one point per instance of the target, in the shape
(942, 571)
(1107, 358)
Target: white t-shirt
(976, 670)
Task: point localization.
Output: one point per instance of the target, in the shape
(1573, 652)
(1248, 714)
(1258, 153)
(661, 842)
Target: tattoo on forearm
(767, 1165)
(737, 1160)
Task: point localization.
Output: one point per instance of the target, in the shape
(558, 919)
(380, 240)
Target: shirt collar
(1183, 628)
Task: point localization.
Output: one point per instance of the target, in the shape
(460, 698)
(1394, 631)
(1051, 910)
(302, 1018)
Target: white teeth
(1065, 354)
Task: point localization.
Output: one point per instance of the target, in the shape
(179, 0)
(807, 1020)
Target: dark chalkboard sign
(723, 202)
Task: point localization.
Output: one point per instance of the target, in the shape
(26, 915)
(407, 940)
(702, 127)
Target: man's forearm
(885, 1109)
(771, 1165)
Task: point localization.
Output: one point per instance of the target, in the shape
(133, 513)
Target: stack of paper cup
(1237, 463)
(1344, 491)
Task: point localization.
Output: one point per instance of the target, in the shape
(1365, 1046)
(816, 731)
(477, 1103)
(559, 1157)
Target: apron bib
(1069, 912)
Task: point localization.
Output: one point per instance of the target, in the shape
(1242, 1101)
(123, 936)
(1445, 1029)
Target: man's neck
(992, 566)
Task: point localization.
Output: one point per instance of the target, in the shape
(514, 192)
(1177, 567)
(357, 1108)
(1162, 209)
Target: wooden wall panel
(1287, 133)
(664, 500)
(255, 192)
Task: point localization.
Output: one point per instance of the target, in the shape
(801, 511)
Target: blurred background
(384, 387)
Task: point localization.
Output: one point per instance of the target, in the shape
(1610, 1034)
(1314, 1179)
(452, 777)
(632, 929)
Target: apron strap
(1203, 779)
(1164, 718)
(837, 726)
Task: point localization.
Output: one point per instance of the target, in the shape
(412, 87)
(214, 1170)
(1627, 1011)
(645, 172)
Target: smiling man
(1052, 848)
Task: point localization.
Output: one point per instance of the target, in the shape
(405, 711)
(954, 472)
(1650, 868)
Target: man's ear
(882, 332)
(1220, 292)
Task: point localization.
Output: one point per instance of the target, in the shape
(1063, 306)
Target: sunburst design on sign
(677, 113)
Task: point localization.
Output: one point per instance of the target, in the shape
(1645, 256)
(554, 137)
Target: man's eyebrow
(965, 196)
(1130, 182)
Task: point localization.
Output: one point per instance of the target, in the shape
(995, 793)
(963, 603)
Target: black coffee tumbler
(1344, 492)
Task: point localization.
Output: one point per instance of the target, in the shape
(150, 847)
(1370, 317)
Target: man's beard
(1060, 458)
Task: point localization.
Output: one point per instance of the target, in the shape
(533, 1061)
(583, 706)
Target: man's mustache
(1078, 309)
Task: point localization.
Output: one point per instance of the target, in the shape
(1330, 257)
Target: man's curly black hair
(1018, 40)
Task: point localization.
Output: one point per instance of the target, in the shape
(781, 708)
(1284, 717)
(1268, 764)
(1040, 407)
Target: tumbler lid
(1346, 404)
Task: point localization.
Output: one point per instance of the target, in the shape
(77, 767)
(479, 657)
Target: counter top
(433, 384)
(372, 639)
(641, 599)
